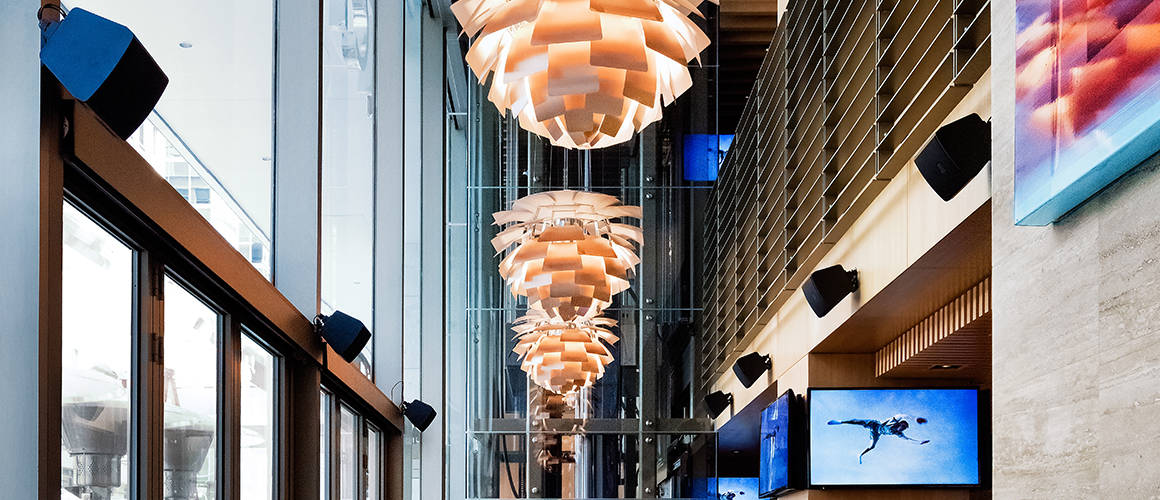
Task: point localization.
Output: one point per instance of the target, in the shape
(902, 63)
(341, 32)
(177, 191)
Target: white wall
(19, 249)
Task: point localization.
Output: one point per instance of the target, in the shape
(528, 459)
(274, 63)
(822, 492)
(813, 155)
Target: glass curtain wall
(348, 165)
(631, 434)
(211, 135)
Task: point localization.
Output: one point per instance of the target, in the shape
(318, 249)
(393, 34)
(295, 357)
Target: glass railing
(157, 142)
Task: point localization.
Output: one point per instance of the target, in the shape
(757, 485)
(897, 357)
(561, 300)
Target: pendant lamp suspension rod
(587, 169)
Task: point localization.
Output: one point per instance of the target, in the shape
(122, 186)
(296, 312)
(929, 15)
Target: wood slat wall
(848, 93)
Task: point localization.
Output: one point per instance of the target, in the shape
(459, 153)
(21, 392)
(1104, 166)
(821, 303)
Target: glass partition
(96, 347)
(191, 391)
(172, 159)
(348, 165)
(606, 443)
(211, 135)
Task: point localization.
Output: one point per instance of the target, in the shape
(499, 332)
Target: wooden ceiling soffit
(954, 342)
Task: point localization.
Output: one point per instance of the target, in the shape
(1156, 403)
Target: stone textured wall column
(1076, 340)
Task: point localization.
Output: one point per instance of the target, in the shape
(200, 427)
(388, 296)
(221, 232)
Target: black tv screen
(894, 437)
(777, 467)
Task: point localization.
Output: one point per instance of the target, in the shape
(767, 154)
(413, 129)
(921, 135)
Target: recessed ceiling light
(946, 367)
(185, 45)
(736, 452)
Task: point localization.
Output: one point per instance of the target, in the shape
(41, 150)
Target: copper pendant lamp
(583, 73)
(566, 254)
(563, 357)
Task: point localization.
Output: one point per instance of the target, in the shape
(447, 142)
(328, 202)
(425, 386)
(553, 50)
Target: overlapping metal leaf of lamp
(583, 73)
(569, 257)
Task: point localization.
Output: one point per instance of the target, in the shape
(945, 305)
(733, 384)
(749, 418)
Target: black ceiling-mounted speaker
(717, 402)
(102, 64)
(749, 368)
(346, 335)
(958, 152)
(827, 287)
(420, 414)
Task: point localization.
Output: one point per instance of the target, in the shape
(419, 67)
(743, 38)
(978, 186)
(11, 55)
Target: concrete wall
(1076, 328)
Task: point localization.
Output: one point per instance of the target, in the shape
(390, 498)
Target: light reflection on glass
(374, 473)
(257, 414)
(347, 458)
(348, 166)
(161, 147)
(216, 116)
(96, 347)
(191, 388)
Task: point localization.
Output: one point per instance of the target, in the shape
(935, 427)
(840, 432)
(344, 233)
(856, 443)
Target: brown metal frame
(110, 180)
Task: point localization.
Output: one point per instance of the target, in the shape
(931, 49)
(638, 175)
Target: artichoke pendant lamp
(583, 73)
(563, 357)
(567, 255)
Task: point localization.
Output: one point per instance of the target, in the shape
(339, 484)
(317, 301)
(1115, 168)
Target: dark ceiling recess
(746, 30)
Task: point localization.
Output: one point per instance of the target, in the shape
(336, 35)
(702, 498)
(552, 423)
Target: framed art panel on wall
(1087, 92)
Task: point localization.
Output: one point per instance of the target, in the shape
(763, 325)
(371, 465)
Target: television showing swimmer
(894, 437)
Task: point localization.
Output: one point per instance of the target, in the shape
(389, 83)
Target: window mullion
(148, 389)
(229, 406)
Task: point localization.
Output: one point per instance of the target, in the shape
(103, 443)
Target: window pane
(96, 351)
(348, 125)
(347, 458)
(258, 413)
(374, 464)
(191, 388)
(212, 130)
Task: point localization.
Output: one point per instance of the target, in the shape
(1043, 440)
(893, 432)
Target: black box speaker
(827, 287)
(346, 335)
(749, 367)
(957, 153)
(102, 64)
(420, 414)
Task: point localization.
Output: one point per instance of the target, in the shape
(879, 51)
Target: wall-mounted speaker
(958, 152)
(346, 335)
(717, 402)
(102, 64)
(749, 368)
(420, 414)
(827, 287)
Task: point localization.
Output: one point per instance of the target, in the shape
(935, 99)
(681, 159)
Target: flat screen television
(894, 437)
(735, 488)
(781, 452)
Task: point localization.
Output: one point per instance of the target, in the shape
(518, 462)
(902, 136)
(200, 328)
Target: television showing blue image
(775, 447)
(736, 488)
(894, 437)
(703, 155)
